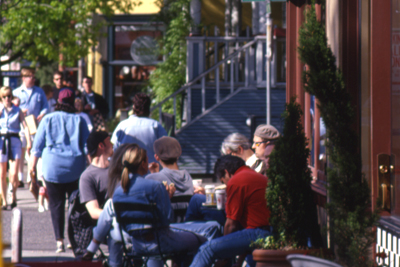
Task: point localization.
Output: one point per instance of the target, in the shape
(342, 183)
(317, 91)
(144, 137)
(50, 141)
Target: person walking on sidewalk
(11, 118)
(60, 141)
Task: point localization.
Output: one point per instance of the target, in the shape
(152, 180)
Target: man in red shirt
(247, 215)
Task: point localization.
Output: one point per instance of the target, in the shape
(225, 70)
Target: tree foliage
(170, 75)
(351, 219)
(289, 194)
(45, 29)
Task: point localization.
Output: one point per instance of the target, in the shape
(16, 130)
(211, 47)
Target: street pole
(268, 54)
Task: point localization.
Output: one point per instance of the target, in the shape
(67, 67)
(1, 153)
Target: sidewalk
(38, 243)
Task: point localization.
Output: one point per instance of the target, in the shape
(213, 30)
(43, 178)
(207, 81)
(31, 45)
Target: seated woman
(134, 188)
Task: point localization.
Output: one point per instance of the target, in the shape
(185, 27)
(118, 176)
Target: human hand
(170, 188)
(154, 167)
(28, 149)
(25, 111)
(40, 117)
(199, 190)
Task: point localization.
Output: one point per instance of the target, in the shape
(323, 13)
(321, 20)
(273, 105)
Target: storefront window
(136, 54)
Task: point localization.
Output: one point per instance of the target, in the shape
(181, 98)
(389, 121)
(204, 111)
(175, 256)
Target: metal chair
(179, 205)
(130, 258)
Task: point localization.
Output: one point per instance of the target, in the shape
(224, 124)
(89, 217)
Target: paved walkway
(38, 242)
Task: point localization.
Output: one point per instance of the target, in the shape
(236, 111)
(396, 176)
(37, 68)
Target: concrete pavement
(38, 241)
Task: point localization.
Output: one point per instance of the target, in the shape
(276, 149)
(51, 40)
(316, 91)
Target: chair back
(149, 209)
(179, 205)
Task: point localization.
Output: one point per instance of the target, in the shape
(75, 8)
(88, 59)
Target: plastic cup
(220, 195)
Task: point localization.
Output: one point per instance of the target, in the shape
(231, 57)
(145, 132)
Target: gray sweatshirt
(181, 178)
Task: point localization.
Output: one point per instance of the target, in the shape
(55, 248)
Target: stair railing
(187, 88)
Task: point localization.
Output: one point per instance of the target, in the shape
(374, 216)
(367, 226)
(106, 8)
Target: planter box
(277, 258)
(298, 260)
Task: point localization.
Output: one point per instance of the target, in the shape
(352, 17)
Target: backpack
(80, 225)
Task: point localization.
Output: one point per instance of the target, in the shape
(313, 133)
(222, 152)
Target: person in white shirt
(79, 111)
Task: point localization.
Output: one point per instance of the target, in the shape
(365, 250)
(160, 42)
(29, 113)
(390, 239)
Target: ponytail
(133, 157)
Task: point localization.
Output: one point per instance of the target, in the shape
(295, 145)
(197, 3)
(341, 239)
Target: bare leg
(3, 185)
(13, 177)
(21, 164)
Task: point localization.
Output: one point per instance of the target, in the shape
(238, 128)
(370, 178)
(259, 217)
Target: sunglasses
(257, 144)
(6, 96)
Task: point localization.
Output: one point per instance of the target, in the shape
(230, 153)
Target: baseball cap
(66, 96)
(167, 148)
(94, 139)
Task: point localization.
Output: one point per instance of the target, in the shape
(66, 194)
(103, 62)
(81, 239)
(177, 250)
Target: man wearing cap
(138, 128)
(263, 143)
(167, 151)
(93, 181)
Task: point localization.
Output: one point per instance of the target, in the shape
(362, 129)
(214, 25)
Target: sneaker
(41, 208)
(21, 184)
(60, 247)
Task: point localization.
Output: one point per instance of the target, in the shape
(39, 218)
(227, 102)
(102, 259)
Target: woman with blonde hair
(11, 118)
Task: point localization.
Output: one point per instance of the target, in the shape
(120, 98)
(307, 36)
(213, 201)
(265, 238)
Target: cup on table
(220, 196)
(210, 194)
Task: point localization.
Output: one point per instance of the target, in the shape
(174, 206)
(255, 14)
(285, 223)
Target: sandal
(4, 207)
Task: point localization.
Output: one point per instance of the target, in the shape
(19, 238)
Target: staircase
(222, 99)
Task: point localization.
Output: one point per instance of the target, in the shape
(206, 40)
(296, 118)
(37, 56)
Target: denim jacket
(60, 141)
(145, 191)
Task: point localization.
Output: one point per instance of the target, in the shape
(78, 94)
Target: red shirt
(246, 198)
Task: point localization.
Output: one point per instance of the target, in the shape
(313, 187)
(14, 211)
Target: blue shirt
(9, 120)
(145, 191)
(60, 141)
(138, 130)
(36, 103)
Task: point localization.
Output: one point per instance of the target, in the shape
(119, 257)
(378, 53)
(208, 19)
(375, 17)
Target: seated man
(167, 151)
(246, 211)
(263, 143)
(93, 181)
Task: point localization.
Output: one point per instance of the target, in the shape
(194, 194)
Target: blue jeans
(187, 236)
(196, 211)
(227, 246)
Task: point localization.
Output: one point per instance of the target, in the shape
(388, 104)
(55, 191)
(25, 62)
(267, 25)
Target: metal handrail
(195, 80)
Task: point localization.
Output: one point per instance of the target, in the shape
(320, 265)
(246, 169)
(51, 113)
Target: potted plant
(351, 218)
(289, 195)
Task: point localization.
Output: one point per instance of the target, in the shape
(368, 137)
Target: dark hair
(57, 72)
(115, 169)
(169, 161)
(229, 163)
(47, 89)
(87, 77)
(141, 103)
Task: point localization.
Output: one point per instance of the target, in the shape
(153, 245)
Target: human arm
(199, 190)
(154, 167)
(44, 106)
(26, 130)
(93, 208)
(231, 226)
(34, 161)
